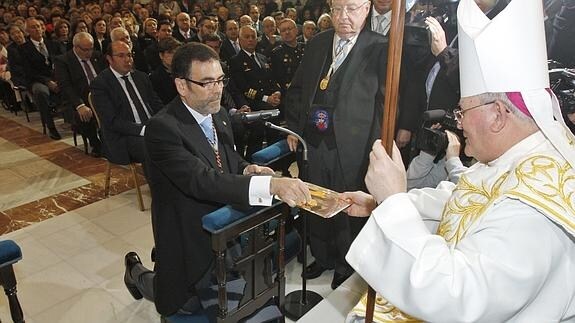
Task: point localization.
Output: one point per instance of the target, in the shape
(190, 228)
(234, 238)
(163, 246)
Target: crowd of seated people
(37, 37)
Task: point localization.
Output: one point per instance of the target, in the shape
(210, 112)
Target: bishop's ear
(501, 116)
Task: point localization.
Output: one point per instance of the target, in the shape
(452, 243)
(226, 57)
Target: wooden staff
(391, 99)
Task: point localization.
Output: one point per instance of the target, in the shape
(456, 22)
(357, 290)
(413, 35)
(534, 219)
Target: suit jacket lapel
(193, 134)
(321, 60)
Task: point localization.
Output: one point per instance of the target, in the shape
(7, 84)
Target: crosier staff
(391, 99)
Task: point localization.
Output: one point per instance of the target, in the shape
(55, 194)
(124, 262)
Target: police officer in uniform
(287, 56)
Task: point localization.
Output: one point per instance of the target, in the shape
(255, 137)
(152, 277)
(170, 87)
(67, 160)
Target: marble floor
(73, 239)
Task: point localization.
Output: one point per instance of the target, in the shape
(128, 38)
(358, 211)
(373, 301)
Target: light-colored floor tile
(93, 305)
(123, 219)
(35, 257)
(76, 239)
(102, 207)
(102, 262)
(55, 224)
(142, 238)
(51, 286)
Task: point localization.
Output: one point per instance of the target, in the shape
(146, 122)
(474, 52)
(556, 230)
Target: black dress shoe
(314, 270)
(338, 279)
(131, 260)
(53, 133)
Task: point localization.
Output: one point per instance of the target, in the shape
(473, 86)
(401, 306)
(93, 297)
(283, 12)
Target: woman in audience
(324, 22)
(61, 36)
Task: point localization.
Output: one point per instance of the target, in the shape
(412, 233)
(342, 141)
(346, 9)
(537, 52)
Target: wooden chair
(132, 166)
(10, 254)
(264, 242)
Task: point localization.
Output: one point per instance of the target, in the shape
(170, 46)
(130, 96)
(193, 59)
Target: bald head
(121, 34)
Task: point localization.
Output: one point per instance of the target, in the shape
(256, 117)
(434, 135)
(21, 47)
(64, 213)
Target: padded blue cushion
(225, 216)
(268, 154)
(9, 253)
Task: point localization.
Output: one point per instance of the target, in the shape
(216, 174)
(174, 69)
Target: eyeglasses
(124, 55)
(87, 49)
(210, 84)
(458, 112)
(336, 11)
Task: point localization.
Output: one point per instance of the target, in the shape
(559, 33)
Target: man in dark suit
(230, 44)
(161, 78)
(183, 31)
(308, 31)
(74, 72)
(269, 40)
(252, 74)
(152, 53)
(125, 101)
(195, 170)
(379, 17)
(37, 57)
(255, 15)
(205, 26)
(335, 102)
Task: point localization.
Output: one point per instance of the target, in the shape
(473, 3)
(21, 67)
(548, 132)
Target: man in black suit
(193, 171)
(269, 40)
(252, 74)
(308, 31)
(205, 26)
(152, 53)
(255, 15)
(335, 102)
(75, 70)
(37, 57)
(125, 101)
(161, 78)
(183, 31)
(230, 44)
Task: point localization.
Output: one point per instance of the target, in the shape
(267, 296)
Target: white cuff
(259, 191)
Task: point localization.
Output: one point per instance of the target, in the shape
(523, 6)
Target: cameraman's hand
(571, 117)
(402, 138)
(438, 41)
(453, 146)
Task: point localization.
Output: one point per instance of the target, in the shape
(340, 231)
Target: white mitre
(508, 54)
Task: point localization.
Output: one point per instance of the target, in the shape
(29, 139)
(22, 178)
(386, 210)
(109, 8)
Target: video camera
(434, 141)
(416, 31)
(563, 85)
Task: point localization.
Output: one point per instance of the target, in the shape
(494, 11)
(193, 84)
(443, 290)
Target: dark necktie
(88, 70)
(255, 60)
(139, 107)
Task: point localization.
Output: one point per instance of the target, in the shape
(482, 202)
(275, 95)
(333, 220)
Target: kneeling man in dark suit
(194, 170)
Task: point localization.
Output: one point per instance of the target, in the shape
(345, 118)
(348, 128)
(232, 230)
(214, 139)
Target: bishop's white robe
(498, 247)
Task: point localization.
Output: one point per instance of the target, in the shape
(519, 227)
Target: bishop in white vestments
(498, 246)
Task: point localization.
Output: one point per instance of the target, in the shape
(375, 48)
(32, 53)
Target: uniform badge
(321, 120)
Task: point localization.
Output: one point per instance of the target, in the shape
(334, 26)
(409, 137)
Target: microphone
(261, 115)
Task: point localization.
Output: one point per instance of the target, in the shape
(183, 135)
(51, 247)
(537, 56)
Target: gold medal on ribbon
(323, 83)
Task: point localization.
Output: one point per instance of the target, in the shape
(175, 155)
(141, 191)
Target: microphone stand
(297, 303)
